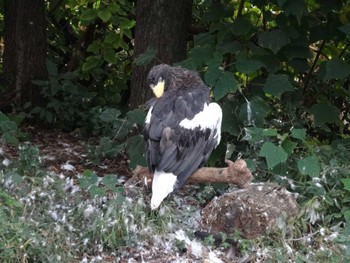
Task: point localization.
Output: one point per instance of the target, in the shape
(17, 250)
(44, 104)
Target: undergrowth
(48, 217)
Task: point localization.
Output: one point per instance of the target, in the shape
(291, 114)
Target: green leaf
(90, 63)
(16, 178)
(248, 66)
(215, 12)
(201, 54)
(104, 14)
(113, 7)
(229, 46)
(230, 148)
(324, 112)
(295, 51)
(69, 75)
(337, 69)
(88, 15)
(346, 183)
(225, 84)
(289, 146)
(51, 68)
(146, 58)
(109, 115)
(241, 26)
(345, 28)
(110, 181)
(273, 154)
(255, 134)
(95, 47)
(295, 7)
(277, 84)
(273, 40)
(110, 56)
(135, 147)
(309, 166)
(271, 62)
(89, 178)
(211, 75)
(347, 217)
(136, 116)
(230, 123)
(299, 134)
(254, 112)
(111, 37)
(94, 190)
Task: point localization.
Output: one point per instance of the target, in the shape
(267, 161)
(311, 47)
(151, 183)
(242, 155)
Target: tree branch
(319, 52)
(240, 8)
(236, 173)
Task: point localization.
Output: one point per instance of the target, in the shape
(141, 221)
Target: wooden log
(235, 173)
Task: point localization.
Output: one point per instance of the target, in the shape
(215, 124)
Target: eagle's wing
(180, 134)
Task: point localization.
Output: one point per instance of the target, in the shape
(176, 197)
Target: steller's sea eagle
(181, 129)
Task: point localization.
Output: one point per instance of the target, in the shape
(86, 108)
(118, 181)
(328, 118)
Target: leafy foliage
(279, 69)
(10, 134)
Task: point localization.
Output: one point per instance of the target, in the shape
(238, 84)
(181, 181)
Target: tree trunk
(24, 51)
(161, 25)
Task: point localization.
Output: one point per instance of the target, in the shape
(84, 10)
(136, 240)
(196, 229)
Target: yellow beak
(158, 89)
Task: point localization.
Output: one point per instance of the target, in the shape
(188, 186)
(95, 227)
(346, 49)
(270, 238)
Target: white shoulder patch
(210, 117)
(149, 114)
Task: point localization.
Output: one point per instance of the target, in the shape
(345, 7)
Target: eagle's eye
(151, 81)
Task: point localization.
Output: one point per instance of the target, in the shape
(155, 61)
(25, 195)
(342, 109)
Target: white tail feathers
(162, 185)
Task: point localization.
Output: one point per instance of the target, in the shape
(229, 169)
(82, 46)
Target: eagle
(181, 129)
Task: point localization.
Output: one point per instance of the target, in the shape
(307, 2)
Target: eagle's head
(159, 79)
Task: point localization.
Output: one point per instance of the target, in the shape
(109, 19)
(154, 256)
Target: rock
(251, 211)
